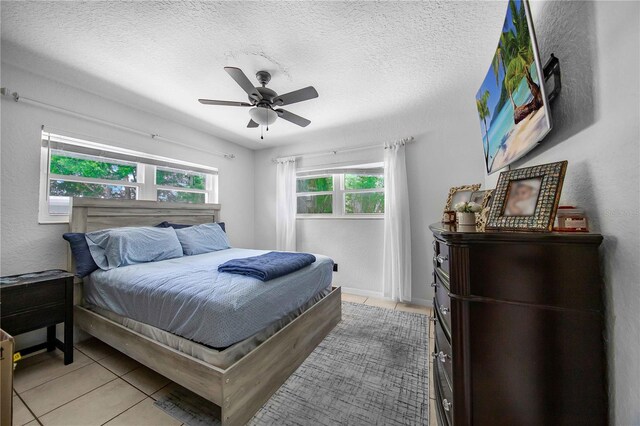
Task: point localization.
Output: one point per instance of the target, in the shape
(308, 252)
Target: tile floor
(104, 387)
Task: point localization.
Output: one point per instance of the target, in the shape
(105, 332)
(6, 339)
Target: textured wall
(596, 128)
(446, 152)
(29, 246)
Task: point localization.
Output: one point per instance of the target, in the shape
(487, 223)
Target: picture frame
(458, 194)
(527, 199)
(484, 198)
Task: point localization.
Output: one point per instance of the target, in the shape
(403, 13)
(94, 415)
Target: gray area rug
(372, 369)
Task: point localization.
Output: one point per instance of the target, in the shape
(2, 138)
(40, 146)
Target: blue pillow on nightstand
(81, 254)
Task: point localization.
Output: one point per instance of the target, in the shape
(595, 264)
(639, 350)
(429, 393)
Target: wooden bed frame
(239, 390)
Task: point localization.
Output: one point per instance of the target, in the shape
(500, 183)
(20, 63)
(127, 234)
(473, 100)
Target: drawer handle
(433, 284)
(444, 310)
(442, 357)
(434, 319)
(441, 259)
(446, 405)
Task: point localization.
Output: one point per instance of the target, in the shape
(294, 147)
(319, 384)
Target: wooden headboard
(90, 214)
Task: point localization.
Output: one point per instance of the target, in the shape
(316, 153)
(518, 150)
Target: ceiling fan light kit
(262, 100)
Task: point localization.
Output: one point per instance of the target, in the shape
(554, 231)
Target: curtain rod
(339, 151)
(18, 98)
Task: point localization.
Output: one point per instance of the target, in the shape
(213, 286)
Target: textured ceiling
(370, 62)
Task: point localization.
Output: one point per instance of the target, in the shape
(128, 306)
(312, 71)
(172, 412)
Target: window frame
(146, 187)
(339, 197)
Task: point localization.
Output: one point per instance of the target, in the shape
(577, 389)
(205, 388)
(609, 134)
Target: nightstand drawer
(31, 320)
(31, 296)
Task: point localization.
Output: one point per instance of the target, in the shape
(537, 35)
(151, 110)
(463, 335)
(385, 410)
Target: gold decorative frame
(546, 205)
(483, 215)
(470, 188)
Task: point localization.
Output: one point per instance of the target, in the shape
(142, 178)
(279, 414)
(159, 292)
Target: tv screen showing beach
(512, 104)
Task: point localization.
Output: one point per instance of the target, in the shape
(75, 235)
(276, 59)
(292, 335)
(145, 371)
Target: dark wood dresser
(519, 328)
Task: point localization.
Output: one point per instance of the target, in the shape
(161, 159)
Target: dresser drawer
(442, 304)
(31, 296)
(443, 355)
(44, 316)
(443, 394)
(441, 256)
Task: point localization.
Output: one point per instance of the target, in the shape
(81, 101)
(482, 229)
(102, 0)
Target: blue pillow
(204, 238)
(166, 224)
(112, 248)
(81, 254)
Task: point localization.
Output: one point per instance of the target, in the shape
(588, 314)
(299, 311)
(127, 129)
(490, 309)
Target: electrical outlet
(335, 267)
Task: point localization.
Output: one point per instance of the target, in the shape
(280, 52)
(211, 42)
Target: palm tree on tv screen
(483, 111)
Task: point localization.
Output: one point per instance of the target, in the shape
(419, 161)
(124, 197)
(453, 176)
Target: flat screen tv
(512, 103)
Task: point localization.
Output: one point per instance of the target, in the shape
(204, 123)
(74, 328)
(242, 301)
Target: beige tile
(96, 350)
(416, 309)
(41, 368)
(381, 303)
(147, 380)
(21, 414)
(96, 407)
(119, 363)
(33, 423)
(144, 414)
(353, 298)
(57, 392)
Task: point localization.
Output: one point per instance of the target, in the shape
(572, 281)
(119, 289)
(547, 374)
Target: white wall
(596, 128)
(28, 246)
(446, 152)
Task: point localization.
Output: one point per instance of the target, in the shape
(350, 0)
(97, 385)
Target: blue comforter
(268, 266)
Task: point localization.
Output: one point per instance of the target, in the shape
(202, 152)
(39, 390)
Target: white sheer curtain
(286, 204)
(397, 231)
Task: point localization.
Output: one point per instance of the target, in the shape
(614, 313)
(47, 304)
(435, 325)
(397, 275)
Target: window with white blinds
(73, 167)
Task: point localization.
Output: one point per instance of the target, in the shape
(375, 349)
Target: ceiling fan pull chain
(261, 136)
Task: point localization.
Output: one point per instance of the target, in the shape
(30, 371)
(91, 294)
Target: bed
(238, 365)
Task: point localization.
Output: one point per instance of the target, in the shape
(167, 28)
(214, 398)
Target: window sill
(342, 217)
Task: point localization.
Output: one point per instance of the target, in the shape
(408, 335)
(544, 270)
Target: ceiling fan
(265, 102)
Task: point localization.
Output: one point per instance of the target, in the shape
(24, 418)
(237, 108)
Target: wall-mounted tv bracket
(552, 69)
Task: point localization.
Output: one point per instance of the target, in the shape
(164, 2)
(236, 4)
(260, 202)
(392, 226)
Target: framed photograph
(459, 194)
(527, 199)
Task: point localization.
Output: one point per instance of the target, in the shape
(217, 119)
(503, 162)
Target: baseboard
(379, 295)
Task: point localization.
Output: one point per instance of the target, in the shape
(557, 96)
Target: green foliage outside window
(180, 196)
(72, 166)
(315, 204)
(190, 180)
(318, 184)
(363, 181)
(90, 190)
(364, 202)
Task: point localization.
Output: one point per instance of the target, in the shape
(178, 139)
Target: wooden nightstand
(36, 300)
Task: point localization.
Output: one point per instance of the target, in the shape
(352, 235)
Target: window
(77, 168)
(355, 191)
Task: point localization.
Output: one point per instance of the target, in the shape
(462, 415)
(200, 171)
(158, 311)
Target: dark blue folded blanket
(268, 266)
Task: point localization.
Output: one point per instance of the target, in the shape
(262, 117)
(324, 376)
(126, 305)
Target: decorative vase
(466, 218)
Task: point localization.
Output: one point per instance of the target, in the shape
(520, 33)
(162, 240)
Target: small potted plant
(466, 212)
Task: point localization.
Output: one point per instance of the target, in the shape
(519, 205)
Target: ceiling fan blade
(296, 96)
(252, 124)
(295, 119)
(224, 103)
(243, 81)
